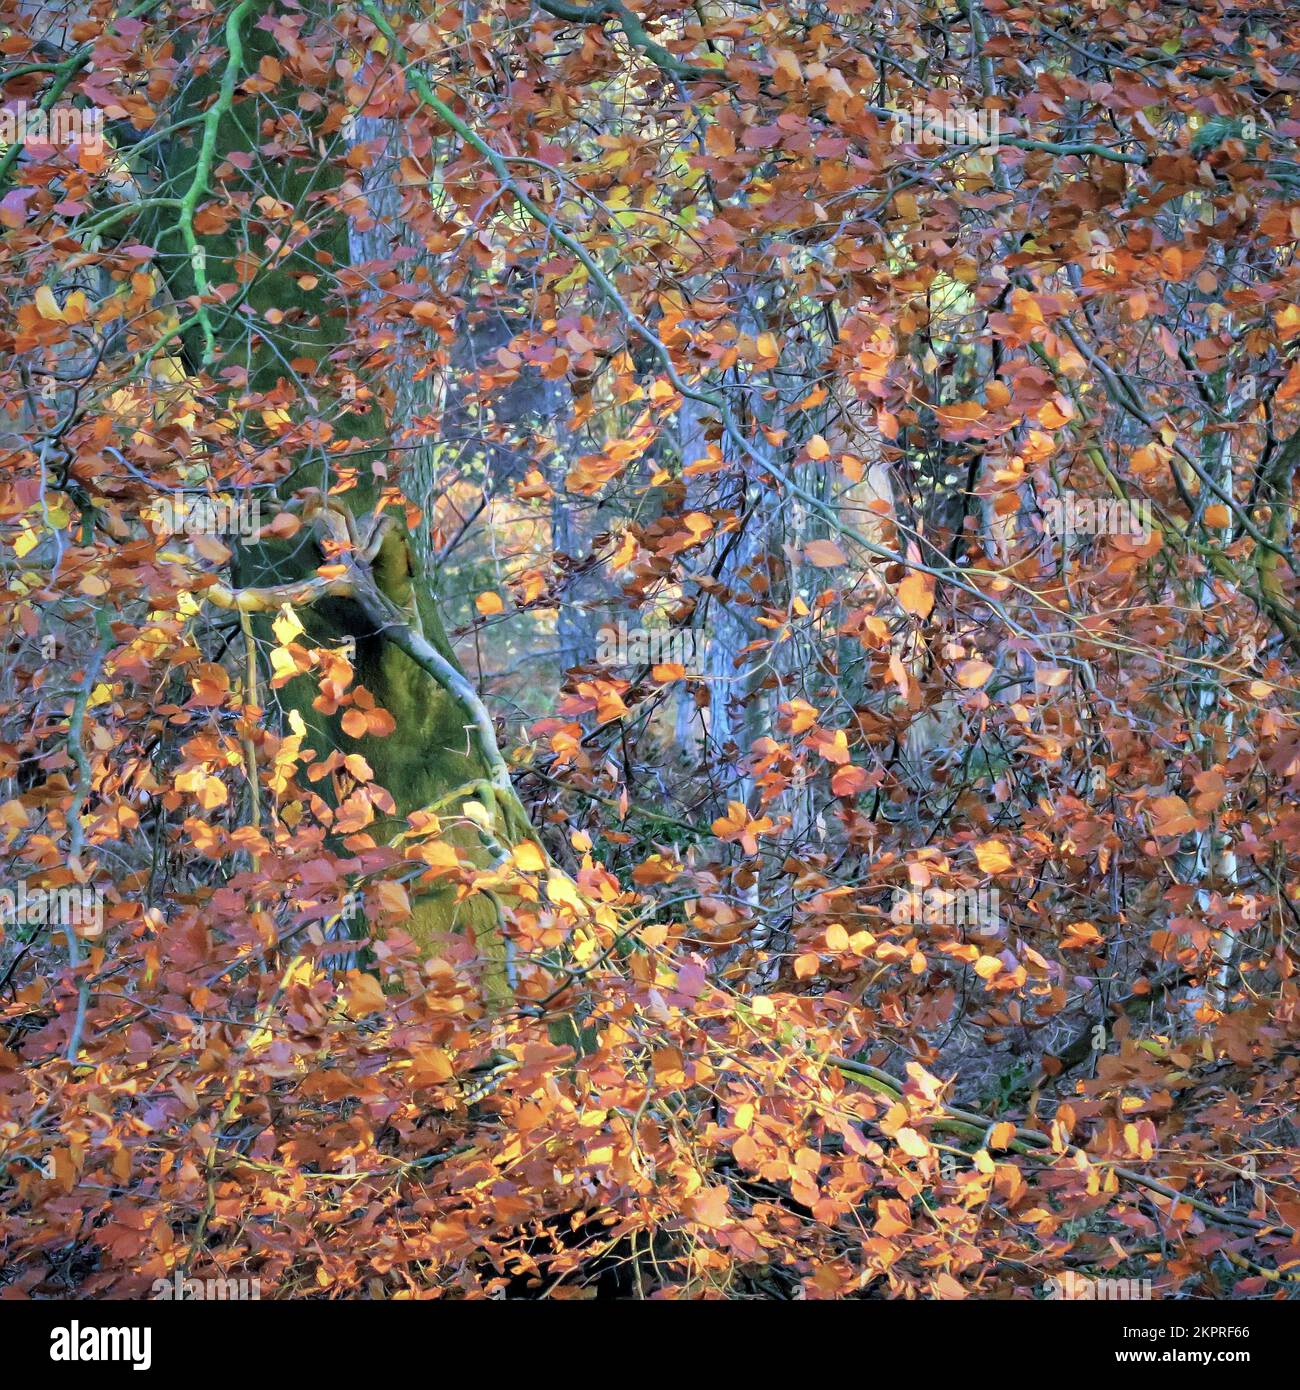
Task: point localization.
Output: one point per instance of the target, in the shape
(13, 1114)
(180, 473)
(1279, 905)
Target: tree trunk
(434, 754)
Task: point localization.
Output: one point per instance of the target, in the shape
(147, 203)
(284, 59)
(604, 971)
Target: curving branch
(273, 596)
(203, 169)
(634, 29)
(353, 578)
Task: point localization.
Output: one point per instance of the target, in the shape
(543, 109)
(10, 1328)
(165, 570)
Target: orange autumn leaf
(824, 554)
(916, 594)
(364, 994)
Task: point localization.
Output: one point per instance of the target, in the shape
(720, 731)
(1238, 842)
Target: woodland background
(443, 952)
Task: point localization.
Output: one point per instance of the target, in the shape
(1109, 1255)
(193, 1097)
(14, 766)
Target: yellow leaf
(916, 594)
(993, 857)
(972, 674)
(577, 276)
(489, 603)
(283, 666)
(440, 856)
(75, 310)
(212, 793)
(528, 856)
(911, 1143)
(818, 447)
(46, 304)
(563, 892)
(286, 625)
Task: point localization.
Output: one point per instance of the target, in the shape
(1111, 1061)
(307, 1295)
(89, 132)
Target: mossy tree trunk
(433, 756)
